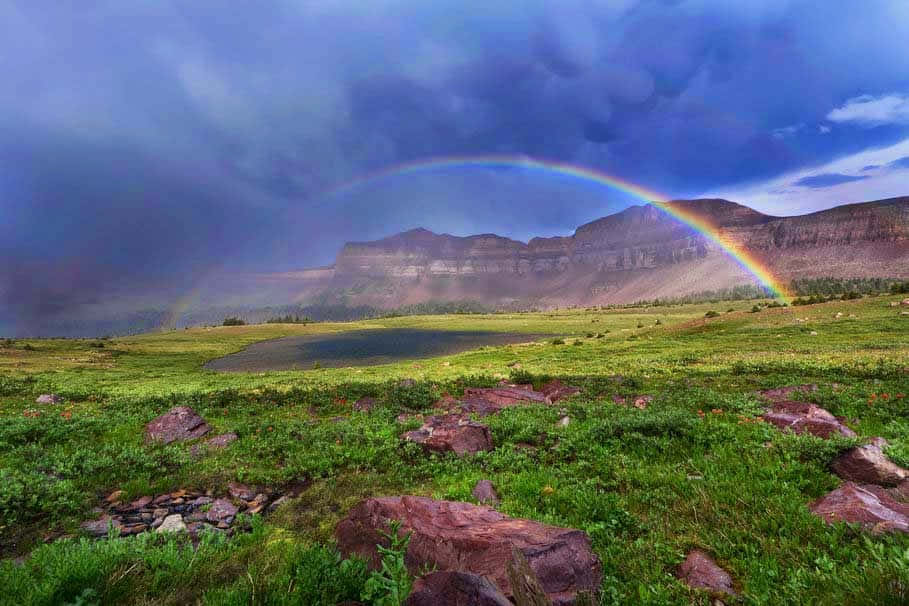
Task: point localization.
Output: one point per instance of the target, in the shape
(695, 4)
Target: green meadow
(693, 469)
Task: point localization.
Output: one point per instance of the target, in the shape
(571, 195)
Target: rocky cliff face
(636, 245)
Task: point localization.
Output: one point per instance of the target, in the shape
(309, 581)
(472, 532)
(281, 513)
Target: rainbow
(743, 257)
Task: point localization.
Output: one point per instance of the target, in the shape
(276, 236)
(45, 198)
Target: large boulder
(177, 424)
(452, 433)
(869, 465)
(701, 572)
(455, 536)
(451, 588)
(803, 417)
(872, 507)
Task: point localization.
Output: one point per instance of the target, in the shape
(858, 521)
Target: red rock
(221, 510)
(100, 527)
(452, 433)
(178, 424)
(365, 404)
(701, 572)
(618, 400)
(48, 398)
(131, 529)
(114, 497)
(869, 465)
(484, 492)
(140, 502)
(782, 393)
(454, 536)
(802, 417)
(641, 402)
(447, 403)
(555, 390)
(241, 491)
(872, 507)
(451, 588)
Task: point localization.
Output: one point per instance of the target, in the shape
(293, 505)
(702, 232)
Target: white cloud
(787, 131)
(871, 111)
(824, 129)
(779, 196)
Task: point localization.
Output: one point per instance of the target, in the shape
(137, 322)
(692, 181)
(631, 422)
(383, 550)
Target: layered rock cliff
(640, 252)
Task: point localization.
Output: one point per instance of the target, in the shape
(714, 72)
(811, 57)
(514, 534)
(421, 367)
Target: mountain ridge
(640, 252)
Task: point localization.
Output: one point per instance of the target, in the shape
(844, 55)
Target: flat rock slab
(177, 424)
(701, 572)
(506, 395)
(803, 417)
(451, 588)
(455, 536)
(869, 465)
(872, 507)
(452, 433)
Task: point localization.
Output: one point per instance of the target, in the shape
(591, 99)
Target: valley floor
(692, 469)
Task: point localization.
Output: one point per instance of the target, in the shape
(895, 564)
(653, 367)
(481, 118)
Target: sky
(145, 144)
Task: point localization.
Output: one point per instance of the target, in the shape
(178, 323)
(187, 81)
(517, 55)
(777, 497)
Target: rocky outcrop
(455, 536)
(177, 424)
(872, 507)
(869, 465)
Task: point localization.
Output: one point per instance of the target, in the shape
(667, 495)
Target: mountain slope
(640, 252)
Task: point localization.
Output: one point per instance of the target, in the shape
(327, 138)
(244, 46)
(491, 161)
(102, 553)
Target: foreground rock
(48, 398)
(802, 417)
(872, 507)
(452, 433)
(454, 536)
(177, 424)
(701, 572)
(869, 465)
(451, 588)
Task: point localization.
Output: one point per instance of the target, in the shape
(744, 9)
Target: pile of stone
(454, 431)
(182, 511)
(876, 492)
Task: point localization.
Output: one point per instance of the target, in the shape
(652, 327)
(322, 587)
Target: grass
(646, 485)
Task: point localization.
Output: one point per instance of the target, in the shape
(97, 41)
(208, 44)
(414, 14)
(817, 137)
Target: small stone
(484, 492)
(133, 529)
(140, 502)
(641, 402)
(221, 510)
(100, 527)
(178, 424)
(48, 398)
(172, 523)
(241, 491)
(365, 404)
(200, 501)
(701, 572)
(114, 497)
(565, 421)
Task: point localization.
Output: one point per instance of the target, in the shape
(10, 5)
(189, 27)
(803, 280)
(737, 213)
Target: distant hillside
(641, 252)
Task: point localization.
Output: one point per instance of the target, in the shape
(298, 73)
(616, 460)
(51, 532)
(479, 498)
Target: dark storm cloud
(144, 142)
(828, 180)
